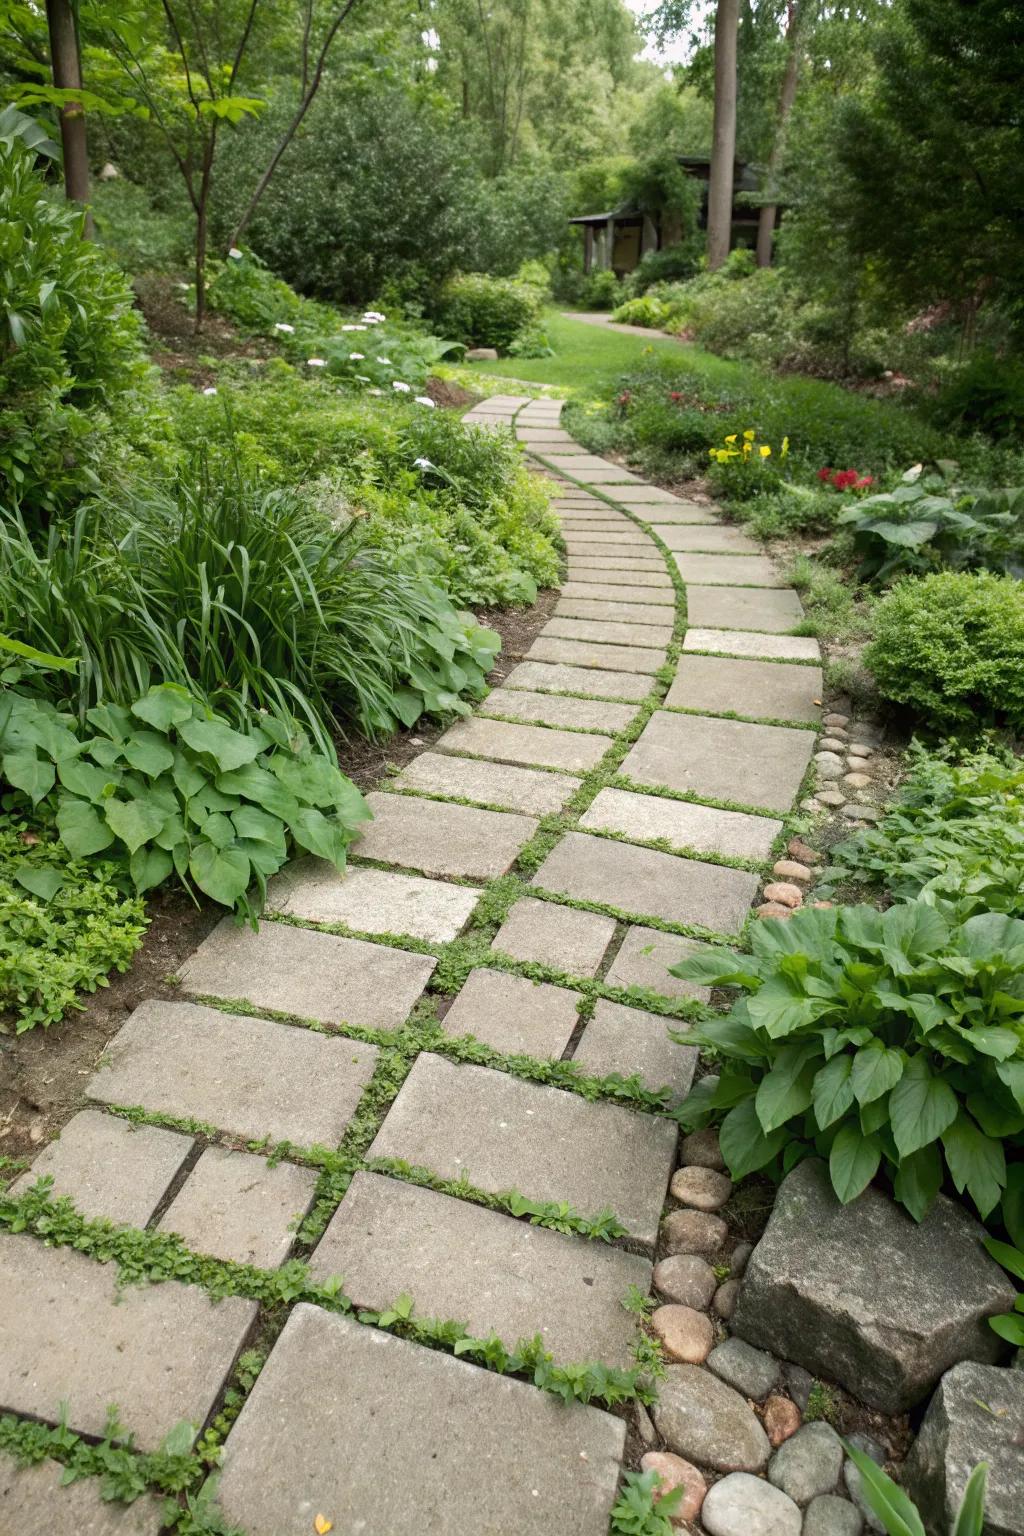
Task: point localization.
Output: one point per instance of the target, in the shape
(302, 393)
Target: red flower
(625, 397)
(863, 481)
(825, 474)
(675, 394)
(843, 479)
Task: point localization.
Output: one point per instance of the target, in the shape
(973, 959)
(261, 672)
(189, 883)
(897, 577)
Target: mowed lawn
(588, 358)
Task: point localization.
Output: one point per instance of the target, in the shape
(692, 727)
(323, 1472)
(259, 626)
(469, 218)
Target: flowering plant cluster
(845, 479)
(746, 448)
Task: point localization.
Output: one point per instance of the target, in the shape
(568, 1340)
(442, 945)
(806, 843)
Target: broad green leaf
(41, 879)
(832, 1092)
(252, 823)
(995, 1116)
(41, 658)
(221, 873)
(976, 1162)
(165, 705)
(991, 1040)
(312, 830)
(918, 1180)
(1011, 1259)
(875, 1070)
(30, 773)
(716, 968)
(82, 830)
(744, 1145)
(990, 934)
(55, 739)
(1008, 1327)
(915, 928)
(1012, 1074)
(218, 829)
(228, 747)
(263, 788)
(785, 1091)
(148, 753)
(1012, 1208)
(921, 1107)
(149, 867)
(84, 778)
(134, 821)
(188, 777)
(970, 1518)
(781, 1011)
(852, 1162)
(890, 1503)
(112, 720)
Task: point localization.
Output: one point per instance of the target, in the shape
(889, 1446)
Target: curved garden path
(614, 803)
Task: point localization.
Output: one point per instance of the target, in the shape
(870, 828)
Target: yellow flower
(750, 434)
(785, 447)
(732, 438)
(764, 450)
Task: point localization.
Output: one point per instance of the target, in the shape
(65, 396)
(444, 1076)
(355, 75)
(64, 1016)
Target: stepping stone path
(295, 1040)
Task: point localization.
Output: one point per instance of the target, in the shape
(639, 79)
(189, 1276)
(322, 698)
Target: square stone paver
(591, 681)
(650, 494)
(252, 1077)
(683, 516)
(603, 573)
(745, 642)
(608, 477)
(236, 1206)
(590, 522)
(562, 937)
(483, 1268)
(580, 714)
(442, 839)
(630, 1042)
(765, 689)
(586, 653)
(700, 828)
(110, 1169)
(372, 900)
(644, 958)
(658, 596)
(383, 1436)
(609, 631)
(314, 975)
(68, 1335)
(647, 883)
(710, 539)
(613, 554)
(572, 463)
(513, 1014)
(536, 791)
(528, 744)
(729, 570)
(36, 1499)
(502, 1133)
(608, 611)
(771, 610)
(760, 765)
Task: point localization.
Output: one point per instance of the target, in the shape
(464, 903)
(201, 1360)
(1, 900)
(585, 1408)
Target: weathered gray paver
(563, 938)
(601, 573)
(607, 631)
(314, 975)
(483, 1268)
(534, 791)
(528, 744)
(729, 570)
(709, 540)
(771, 610)
(643, 960)
(647, 883)
(618, 593)
(634, 1043)
(761, 765)
(765, 689)
(160, 1352)
(745, 642)
(702, 828)
(611, 612)
(35, 1499)
(252, 1077)
(548, 709)
(584, 523)
(110, 1169)
(384, 1436)
(442, 839)
(650, 494)
(236, 1206)
(513, 1014)
(502, 1133)
(591, 681)
(372, 900)
(589, 653)
(589, 551)
(624, 536)
(681, 516)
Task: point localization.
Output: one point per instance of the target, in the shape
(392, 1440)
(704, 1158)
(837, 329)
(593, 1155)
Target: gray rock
(609, 631)
(751, 1371)
(762, 689)
(382, 1435)
(534, 791)
(976, 1415)
(34, 1498)
(865, 1296)
(702, 1419)
(644, 1425)
(808, 1463)
(726, 1298)
(110, 1169)
(687, 1279)
(860, 812)
(828, 1515)
(830, 797)
(852, 1483)
(729, 571)
(693, 1232)
(742, 1505)
(481, 355)
(739, 1261)
(236, 1206)
(798, 1383)
(711, 539)
(757, 765)
(771, 612)
(440, 839)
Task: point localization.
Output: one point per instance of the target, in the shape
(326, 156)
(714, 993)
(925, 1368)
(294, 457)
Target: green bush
(648, 311)
(951, 648)
(487, 311)
(987, 394)
(63, 926)
(168, 786)
(139, 237)
(602, 290)
(672, 264)
(72, 369)
(879, 1040)
(954, 833)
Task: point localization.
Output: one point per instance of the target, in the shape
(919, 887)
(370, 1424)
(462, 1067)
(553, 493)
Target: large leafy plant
(167, 786)
(900, 1516)
(880, 1040)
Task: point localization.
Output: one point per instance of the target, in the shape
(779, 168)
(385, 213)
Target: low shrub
(987, 394)
(955, 833)
(672, 264)
(602, 290)
(64, 925)
(487, 311)
(742, 468)
(951, 648)
(883, 1041)
(648, 311)
(788, 512)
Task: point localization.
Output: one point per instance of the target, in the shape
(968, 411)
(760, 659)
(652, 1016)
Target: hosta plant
(168, 786)
(883, 1041)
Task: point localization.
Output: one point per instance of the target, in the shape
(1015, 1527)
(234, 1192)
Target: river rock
(977, 1414)
(702, 1148)
(726, 1298)
(705, 1189)
(864, 1295)
(699, 1417)
(742, 1505)
(685, 1278)
(685, 1333)
(677, 1473)
(693, 1232)
(749, 1370)
(781, 1419)
(809, 1463)
(828, 1515)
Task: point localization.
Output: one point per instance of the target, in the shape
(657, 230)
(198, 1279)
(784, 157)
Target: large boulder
(977, 1414)
(866, 1296)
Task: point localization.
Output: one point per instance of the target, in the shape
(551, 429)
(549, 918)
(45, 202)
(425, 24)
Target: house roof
(602, 218)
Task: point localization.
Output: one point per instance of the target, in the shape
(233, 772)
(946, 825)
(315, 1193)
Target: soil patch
(176, 349)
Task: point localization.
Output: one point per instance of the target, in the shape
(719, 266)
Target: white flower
(362, 379)
(209, 390)
(375, 315)
(372, 319)
(316, 362)
(386, 361)
(404, 389)
(235, 253)
(374, 391)
(424, 400)
(353, 327)
(423, 464)
(357, 357)
(282, 325)
(183, 286)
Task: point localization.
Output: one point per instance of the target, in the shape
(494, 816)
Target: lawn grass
(589, 360)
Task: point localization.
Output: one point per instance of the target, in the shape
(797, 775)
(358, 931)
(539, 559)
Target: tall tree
(796, 18)
(723, 134)
(67, 77)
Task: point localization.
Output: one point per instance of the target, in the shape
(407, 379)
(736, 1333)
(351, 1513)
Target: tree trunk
(67, 76)
(723, 138)
(787, 95)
